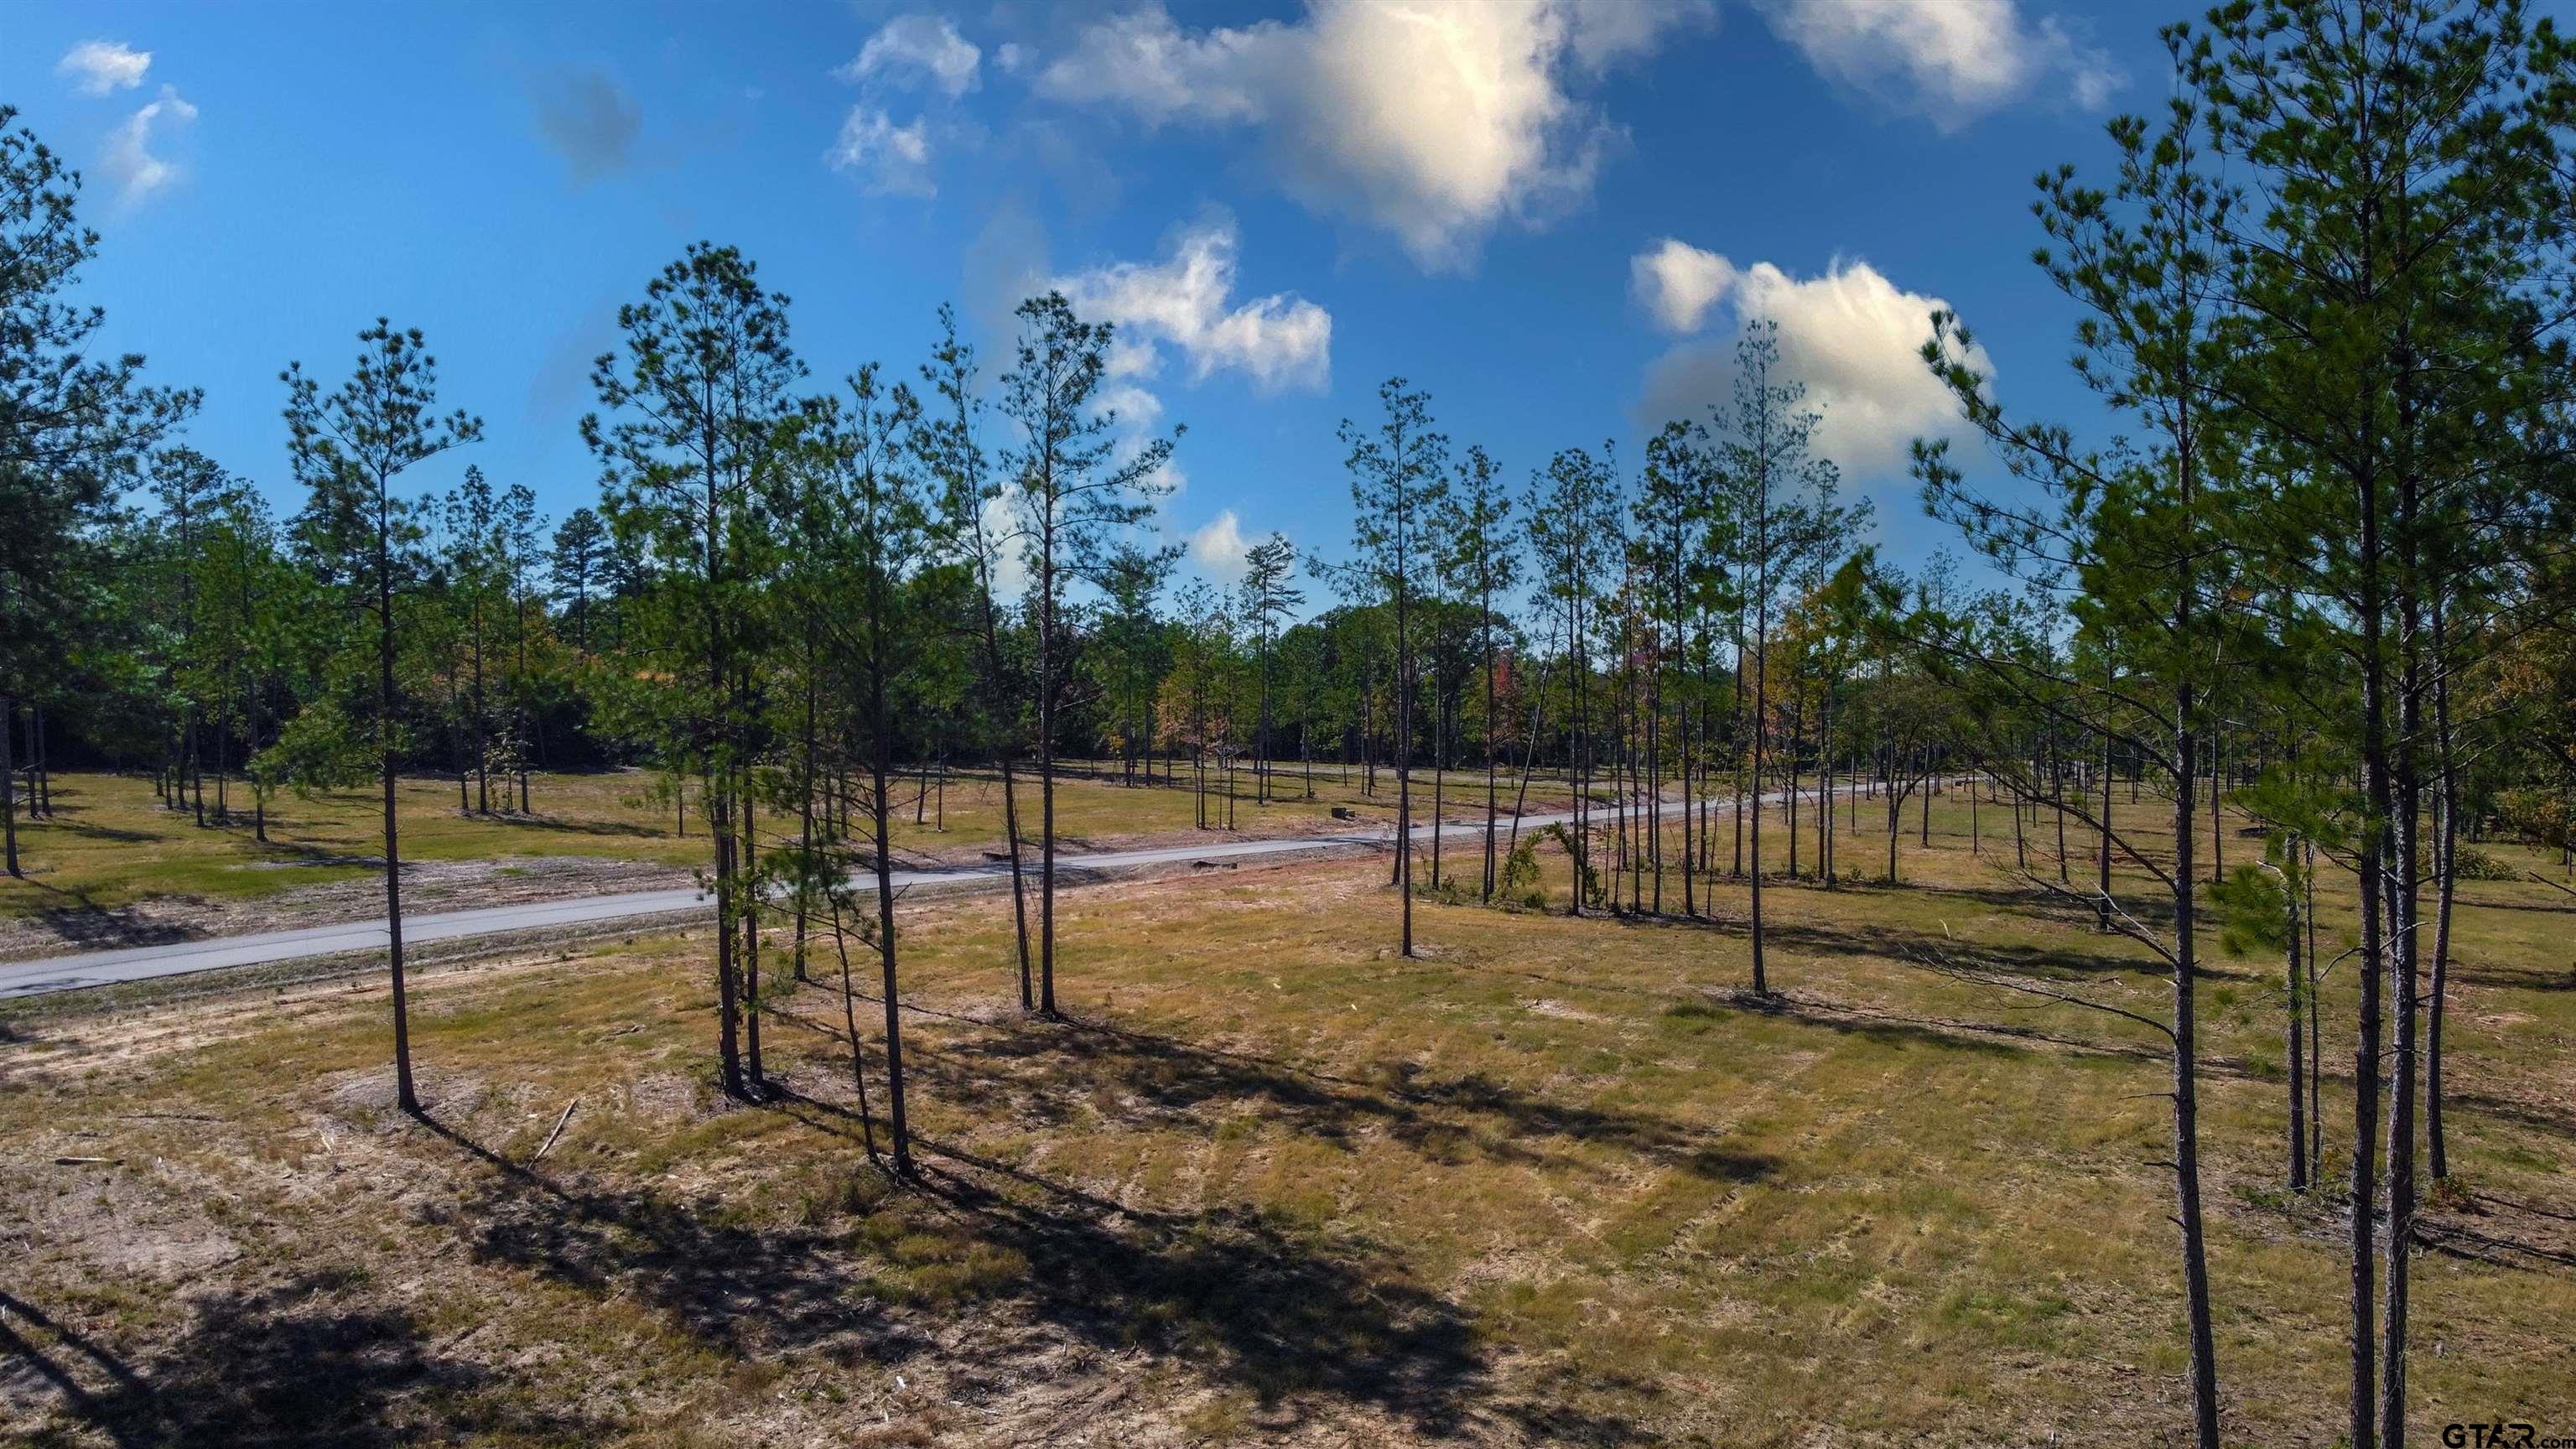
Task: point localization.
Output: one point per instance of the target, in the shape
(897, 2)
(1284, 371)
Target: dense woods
(2316, 573)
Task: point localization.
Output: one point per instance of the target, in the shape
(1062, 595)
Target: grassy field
(1553, 1182)
(113, 863)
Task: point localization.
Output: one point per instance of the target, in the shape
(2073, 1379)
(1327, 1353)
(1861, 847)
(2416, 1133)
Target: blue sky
(1553, 214)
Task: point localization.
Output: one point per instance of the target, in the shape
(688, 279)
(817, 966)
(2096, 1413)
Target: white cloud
(101, 67)
(1133, 405)
(1010, 560)
(1141, 60)
(884, 156)
(129, 161)
(1605, 32)
(1677, 283)
(1433, 121)
(1852, 336)
(924, 47)
(2091, 75)
(1217, 549)
(1279, 341)
(1949, 60)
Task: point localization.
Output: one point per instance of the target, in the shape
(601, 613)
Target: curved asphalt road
(179, 958)
(143, 963)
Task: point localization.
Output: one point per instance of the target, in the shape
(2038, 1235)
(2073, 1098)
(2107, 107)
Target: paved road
(142, 963)
(179, 958)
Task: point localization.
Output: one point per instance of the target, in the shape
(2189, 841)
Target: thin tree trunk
(2364, 1429)
(1403, 761)
(1761, 699)
(2056, 796)
(9, 783)
(2447, 863)
(850, 1023)
(2316, 1019)
(805, 814)
(1529, 761)
(1439, 772)
(41, 793)
(2186, 1096)
(716, 799)
(1046, 770)
(1691, 859)
(1825, 784)
(2405, 912)
(1491, 783)
(258, 788)
(2217, 847)
(2102, 856)
(1789, 806)
(879, 759)
(751, 906)
(1735, 744)
(482, 733)
(2295, 980)
(404, 1094)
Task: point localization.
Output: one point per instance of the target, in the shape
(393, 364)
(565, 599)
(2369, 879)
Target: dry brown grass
(1552, 1182)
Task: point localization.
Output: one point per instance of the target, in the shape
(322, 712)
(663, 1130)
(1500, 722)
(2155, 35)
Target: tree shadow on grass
(1901, 1031)
(740, 1288)
(81, 921)
(279, 854)
(622, 829)
(2506, 1109)
(2509, 979)
(302, 1363)
(1045, 1072)
(108, 928)
(1289, 1313)
(2064, 962)
(1886, 1027)
(109, 833)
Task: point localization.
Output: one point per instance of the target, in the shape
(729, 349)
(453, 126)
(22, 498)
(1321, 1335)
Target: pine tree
(575, 568)
(1399, 481)
(1782, 498)
(694, 422)
(972, 509)
(1075, 484)
(74, 430)
(2133, 527)
(864, 441)
(1266, 599)
(1482, 564)
(351, 447)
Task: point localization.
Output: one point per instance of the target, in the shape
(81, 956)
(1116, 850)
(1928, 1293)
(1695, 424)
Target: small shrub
(2472, 863)
(1519, 885)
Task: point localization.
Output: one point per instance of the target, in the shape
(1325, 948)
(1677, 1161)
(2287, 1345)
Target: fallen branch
(559, 1127)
